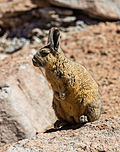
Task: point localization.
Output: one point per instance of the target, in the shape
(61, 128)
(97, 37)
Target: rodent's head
(47, 56)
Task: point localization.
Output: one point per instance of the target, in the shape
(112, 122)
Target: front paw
(58, 124)
(59, 95)
(83, 119)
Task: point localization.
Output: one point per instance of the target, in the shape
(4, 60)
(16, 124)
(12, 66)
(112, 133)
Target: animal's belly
(69, 112)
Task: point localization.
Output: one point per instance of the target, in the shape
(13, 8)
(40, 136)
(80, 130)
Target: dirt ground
(98, 49)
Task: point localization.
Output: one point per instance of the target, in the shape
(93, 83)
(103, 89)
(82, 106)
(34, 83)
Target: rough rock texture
(9, 46)
(99, 136)
(102, 9)
(17, 12)
(11, 9)
(25, 99)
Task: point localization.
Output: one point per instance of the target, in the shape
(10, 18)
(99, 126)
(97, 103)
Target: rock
(3, 56)
(11, 45)
(10, 7)
(16, 12)
(57, 17)
(25, 98)
(13, 8)
(98, 136)
(38, 35)
(102, 9)
(41, 3)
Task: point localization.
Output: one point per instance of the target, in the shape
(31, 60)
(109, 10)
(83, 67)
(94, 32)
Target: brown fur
(75, 91)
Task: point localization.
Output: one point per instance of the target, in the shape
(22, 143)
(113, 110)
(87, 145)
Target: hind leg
(93, 110)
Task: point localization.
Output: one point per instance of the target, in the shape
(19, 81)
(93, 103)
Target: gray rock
(15, 45)
(102, 9)
(25, 99)
(11, 45)
(3, 56)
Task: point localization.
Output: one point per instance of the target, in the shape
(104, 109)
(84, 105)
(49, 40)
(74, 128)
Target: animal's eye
(44, 53)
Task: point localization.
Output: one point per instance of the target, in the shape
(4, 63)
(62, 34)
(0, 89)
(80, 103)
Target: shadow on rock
(65, 127)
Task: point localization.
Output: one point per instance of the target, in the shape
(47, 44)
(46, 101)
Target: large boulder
(102, 9)
(25, 99)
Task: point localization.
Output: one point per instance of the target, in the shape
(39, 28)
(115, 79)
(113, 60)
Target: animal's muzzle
(35, 61)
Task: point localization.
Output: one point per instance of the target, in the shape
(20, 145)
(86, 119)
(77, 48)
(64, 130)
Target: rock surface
(25, 98)
(11, 45)
(11, 9)
(99, 136)
(102, 9)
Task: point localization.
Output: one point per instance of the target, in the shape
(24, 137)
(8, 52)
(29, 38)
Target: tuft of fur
(76, 96)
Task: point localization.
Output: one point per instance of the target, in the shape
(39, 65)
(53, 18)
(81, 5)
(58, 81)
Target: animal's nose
(34, 60)
(38, 53)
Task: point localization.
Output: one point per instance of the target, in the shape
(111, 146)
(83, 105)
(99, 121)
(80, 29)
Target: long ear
(53, 38)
